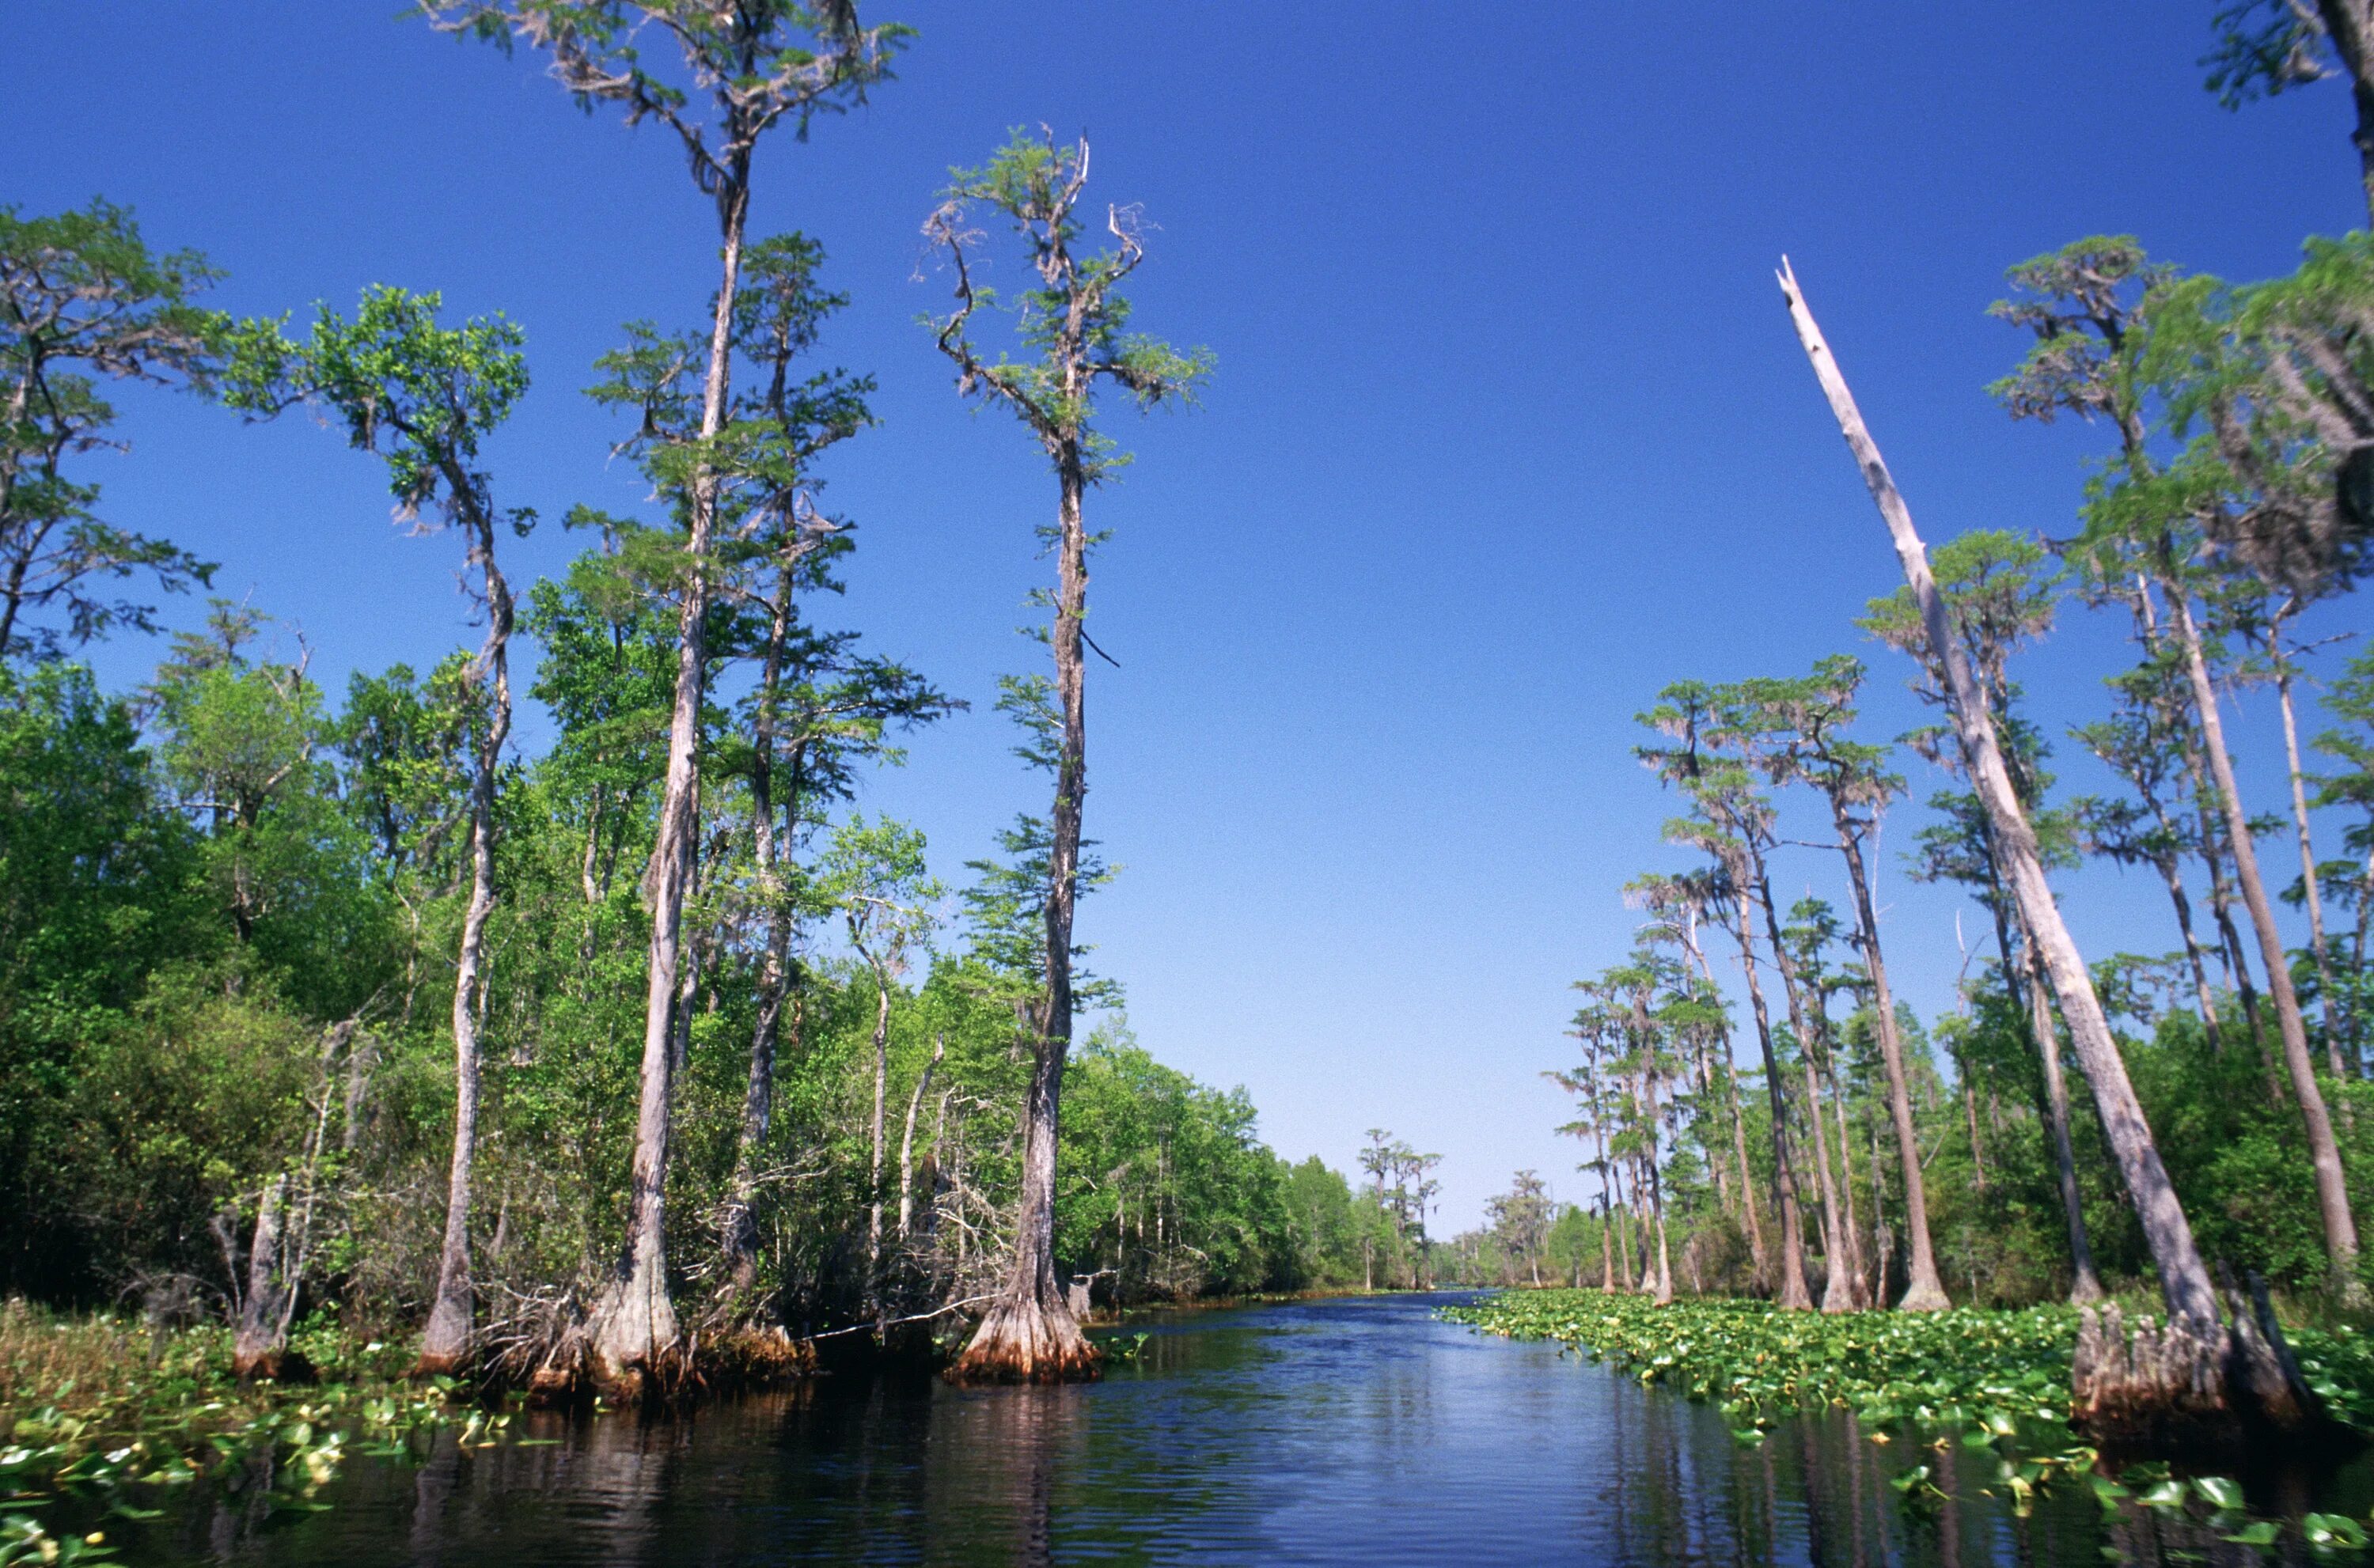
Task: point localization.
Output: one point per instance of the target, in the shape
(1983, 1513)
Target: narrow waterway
(1347, 1430)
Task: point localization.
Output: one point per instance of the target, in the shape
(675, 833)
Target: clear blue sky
(1508, 430)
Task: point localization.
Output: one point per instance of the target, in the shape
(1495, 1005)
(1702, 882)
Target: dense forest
(342, 1004)
(2079, 1122)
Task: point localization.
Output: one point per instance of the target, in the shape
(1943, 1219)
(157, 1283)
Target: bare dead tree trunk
(447, 1339)
(2184, 1281)
(633, 1325)
(2324, 1151)
(263, 1339)
(1924, 1291)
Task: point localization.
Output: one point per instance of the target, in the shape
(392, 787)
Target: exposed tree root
(2186, 1387)
(1026, 1340)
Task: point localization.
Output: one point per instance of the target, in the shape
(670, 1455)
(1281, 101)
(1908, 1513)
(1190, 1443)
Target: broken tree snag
(261, 1349)
(2166, 1380)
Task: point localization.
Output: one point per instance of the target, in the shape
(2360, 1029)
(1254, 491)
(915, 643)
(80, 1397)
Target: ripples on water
(1348, 1430)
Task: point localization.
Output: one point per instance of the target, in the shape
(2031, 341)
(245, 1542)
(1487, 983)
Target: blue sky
(1508, 430)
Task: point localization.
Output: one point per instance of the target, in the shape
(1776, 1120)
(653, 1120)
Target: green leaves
(421, 395)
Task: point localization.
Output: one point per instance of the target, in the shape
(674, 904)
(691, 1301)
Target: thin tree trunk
(2172, 874)
(2316, 945)
(2221, 896)
(2085, 1285)
(907, 1140)
(1664, 1290)
(1792, 1291)
(1852, 1227)
(1757, 1257)
(1029, 1333)
(878, 1131)
(1837, 1291)
(2324, 1151)
(2184, 1281)
(633, 1325)
(1924, 1291)
(447, 1339)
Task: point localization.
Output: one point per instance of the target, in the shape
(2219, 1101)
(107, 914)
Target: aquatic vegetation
(1967, 1368)
(1984, 1379)
(112, 1413)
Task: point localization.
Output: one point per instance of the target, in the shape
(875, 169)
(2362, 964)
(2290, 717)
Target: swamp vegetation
(365, 1072)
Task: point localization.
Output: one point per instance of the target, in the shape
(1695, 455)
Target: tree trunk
(1664, 1290)
(2316, 946)
(907, 1140)
(2221, 896)
(2085, 1285)
(2324, 1151)
(2172, 874)
(633, 1325)
(447, 1341)
(737, 1223)
(1852, 1227)
(1792, 1292)
(1758, 1258)
(1029, 1334)
(2347, 25)
(261, 1349)
(2184, 1282)
(1837, 1290)
(878, 1131)
(1924, 1291)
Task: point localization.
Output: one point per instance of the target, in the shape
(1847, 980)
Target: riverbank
(1972, 1368)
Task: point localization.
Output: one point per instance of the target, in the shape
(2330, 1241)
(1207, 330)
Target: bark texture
(2324, 1150)
(446, 1342)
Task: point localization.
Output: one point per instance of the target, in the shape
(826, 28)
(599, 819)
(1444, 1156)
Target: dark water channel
(1351, 1430)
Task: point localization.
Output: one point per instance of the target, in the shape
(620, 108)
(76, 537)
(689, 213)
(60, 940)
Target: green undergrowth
(103, 1417)
(1979, 1378)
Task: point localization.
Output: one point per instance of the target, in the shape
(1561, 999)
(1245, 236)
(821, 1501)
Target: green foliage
(82, 298)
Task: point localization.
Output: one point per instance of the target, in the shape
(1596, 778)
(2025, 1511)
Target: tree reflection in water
(1315, 1433)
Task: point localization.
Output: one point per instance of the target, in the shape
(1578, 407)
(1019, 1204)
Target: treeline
(1757, 1111)
(318, 1001)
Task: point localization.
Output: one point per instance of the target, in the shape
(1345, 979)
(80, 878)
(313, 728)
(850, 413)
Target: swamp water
(1344, 1431)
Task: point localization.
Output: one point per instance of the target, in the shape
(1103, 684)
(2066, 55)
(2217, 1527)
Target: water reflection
(1332, 1431)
